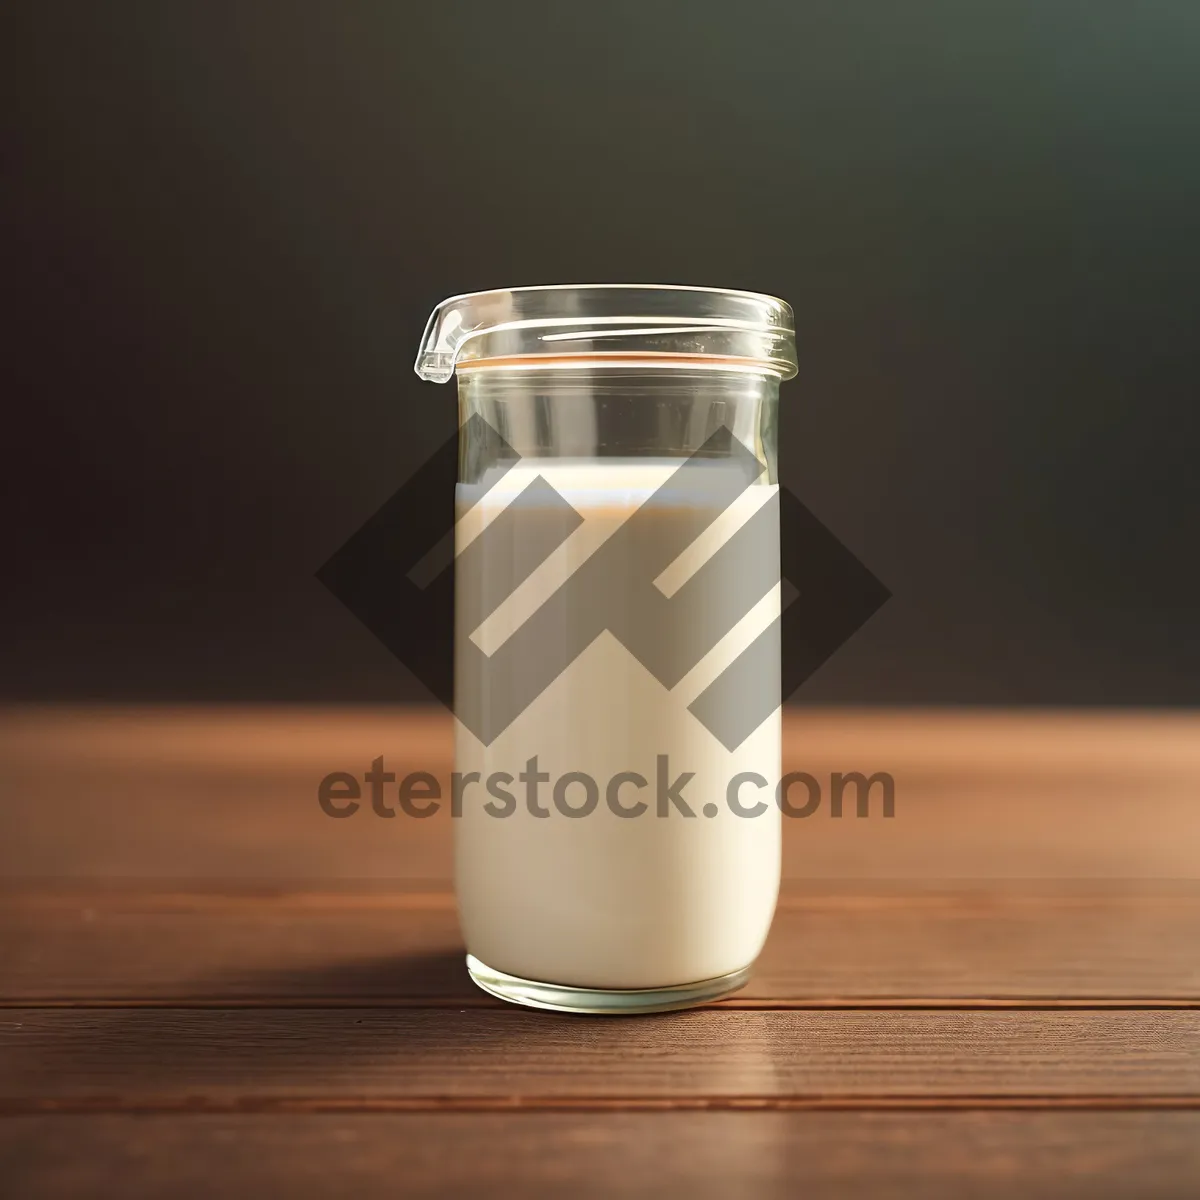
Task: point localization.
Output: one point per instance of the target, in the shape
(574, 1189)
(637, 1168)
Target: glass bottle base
(599, 1001)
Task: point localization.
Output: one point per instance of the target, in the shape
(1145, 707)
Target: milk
(605, 900)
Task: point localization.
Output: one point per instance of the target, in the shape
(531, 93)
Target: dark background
(225, 224)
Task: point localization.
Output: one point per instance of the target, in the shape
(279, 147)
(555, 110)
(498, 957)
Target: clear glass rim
(656, 323)
(628, 287)
(617, 360)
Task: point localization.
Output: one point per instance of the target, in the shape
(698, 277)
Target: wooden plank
(923, 1156)
(245, 1059)
(227, 794)
(828, 947)
(1051, 743)
(981, 944)
(142, 822)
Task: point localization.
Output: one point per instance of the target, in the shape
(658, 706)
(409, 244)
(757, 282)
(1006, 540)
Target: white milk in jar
(616, 644)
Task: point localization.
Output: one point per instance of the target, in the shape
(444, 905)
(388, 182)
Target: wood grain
(828, 947)
(264, 1058)
(230, 795)
(884, 1156)
(207, 985)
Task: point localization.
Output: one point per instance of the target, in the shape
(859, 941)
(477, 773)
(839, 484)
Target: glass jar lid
(565, 324)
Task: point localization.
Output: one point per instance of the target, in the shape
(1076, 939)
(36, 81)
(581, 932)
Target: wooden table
(211, 988)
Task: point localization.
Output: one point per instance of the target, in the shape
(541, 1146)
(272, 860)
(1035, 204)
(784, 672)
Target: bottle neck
(631, 412)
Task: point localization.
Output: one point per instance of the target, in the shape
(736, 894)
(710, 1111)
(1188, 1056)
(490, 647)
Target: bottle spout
(436, 367)
(459, 320)
(440, 345)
